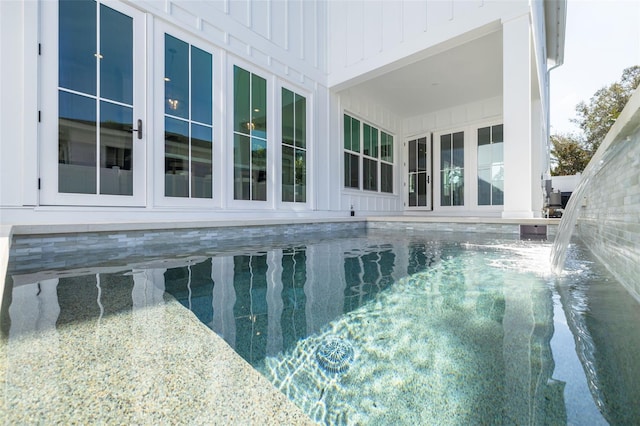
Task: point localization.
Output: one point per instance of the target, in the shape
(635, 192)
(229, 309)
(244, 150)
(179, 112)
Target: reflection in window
(250, 136)
(490, 166)
(386, 162)
(188, 106)
(115, 149)
(77, 144)
(418, 172)
(452, 169)
(95, 146)
(294, 147)
(369, 174)
(369, 159)
(352, 148)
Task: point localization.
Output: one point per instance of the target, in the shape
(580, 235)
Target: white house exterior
(142, 111)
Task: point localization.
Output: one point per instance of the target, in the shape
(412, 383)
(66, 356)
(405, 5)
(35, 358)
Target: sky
(602, 39)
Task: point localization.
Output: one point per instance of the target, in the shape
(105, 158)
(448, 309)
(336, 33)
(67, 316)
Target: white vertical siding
(261, 18)
(328, 151)
(414, 15)
(373, 18)
(518, 114)
(391, 17)
(452, 118)
(279, 24)
(295, 33)
(268, 31)
(359, 44)
(353, 41)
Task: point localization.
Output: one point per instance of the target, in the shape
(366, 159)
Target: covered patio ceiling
(466, 73)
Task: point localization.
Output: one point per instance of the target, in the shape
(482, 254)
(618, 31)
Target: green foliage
(596, 117)
(568, 156)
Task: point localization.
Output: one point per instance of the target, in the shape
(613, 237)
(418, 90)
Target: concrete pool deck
(159, 364)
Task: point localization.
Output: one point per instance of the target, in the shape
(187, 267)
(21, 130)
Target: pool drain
(334, 355)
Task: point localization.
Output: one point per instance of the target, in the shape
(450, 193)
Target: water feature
(574, 205)
(446, 328)
(608, 200)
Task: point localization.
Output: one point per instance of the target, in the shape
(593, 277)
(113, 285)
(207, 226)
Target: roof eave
(555, 14)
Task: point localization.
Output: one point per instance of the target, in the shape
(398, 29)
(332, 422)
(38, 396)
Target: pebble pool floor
(485, 335)
(479, 338)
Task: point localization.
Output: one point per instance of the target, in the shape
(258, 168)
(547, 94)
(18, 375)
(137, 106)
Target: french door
(419, 192)
(94, 140)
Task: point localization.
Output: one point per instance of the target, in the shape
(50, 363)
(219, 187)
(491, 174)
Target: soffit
(463, 74)
(555, 12)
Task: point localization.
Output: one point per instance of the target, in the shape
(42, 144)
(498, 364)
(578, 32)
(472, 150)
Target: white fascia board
(555, 13)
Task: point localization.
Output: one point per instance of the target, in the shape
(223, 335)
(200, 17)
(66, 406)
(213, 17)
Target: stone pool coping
(43, 229)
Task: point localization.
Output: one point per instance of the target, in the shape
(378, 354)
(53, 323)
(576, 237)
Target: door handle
(139, 129)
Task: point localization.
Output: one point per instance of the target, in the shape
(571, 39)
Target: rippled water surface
(441, 328)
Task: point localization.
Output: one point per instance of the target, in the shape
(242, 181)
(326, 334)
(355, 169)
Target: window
(351, 152)
(386, 162)
(369, 159)
(374, 151)
(452, 169)
(294, 147)
(249, 136)
(188, 120)
(490, 166)
(95, 99)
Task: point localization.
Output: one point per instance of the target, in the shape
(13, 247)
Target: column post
(517, 113)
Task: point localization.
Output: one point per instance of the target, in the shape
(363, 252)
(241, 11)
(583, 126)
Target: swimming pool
(443, 328)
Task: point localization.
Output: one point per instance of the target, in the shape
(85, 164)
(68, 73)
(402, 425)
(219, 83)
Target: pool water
(441, 328)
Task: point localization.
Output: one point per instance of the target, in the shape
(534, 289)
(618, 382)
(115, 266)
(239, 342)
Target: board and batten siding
(367, 35)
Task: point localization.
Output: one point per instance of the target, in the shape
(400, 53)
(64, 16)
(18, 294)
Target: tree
(596, 118)
(571, 153)
(568, 155)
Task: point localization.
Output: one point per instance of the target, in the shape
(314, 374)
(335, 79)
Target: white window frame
(310, 171)
(362, 156)
(436, 173)
(228, 141)
(492, 207)
(161, 200)
(48, 105)
(430, 157)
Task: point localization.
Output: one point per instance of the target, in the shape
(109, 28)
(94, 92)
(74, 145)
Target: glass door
(452, 169)
(419, 170)
(100, 128)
